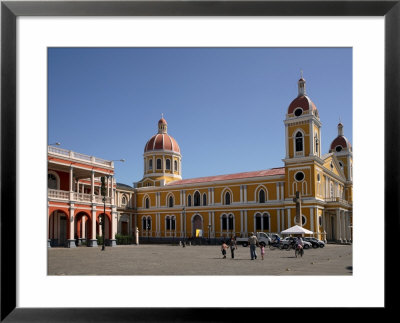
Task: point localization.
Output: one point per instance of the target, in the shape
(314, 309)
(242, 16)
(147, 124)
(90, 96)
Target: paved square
(197, 260)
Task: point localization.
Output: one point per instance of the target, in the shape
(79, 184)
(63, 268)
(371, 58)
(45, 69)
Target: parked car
(315, 242)
(263, 239)
(290, 240)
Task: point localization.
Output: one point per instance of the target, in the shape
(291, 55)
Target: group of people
(253, 243)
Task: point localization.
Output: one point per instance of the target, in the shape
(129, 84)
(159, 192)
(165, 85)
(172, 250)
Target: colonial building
(162, 204)
(75, 201)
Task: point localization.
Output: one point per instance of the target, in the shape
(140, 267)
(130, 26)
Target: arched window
(196, 199)
(144, 224)
(168, 223)
(261, 196)
(224, 223)
(172, 223)
(175, 166)
(227, 198)
(189, 200)
(151, 164)
(52, 181)
(265, 221)
(230, 222)
(147, 203)
(123, 200)
(168, 164)
(316, 144)
(204, 199)
(299, 141)
(171, 201)
(258, 222)
(149, 223)
(158, 163)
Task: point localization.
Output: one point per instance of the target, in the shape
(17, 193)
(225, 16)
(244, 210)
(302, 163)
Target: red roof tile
(259, 173)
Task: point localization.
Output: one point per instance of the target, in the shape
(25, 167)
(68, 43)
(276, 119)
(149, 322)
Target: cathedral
(164, 205)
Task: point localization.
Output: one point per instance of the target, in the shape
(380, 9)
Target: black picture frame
(10, 10)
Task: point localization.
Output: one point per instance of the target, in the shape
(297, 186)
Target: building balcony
(69, 154)
(337, 200)
(76, 197)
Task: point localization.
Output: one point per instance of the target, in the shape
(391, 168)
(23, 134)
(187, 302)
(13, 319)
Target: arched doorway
(99, 229)
(197, 224)
(82, 228)
(58, 229)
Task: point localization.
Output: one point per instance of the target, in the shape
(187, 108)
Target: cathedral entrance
(197, 224)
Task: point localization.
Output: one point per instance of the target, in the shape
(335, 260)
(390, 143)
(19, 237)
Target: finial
(162, 115)
(301, 73)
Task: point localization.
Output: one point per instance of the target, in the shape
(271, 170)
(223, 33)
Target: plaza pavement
(196, 260)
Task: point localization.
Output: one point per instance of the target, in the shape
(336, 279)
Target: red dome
(340, 141)
(163, 121)
(303, 102)
(162, 141)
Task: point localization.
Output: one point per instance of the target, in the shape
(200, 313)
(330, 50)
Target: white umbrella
(296, 230)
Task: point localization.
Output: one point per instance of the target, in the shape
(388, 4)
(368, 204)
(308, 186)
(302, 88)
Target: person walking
(262, 249)
(233, 246)
(224, 246)
(253, 241)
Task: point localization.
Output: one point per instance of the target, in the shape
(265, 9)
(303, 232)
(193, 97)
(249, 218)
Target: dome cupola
(302, 104)
(162, 158)
(162, 141)
(340, 143)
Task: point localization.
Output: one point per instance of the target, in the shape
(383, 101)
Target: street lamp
(148, 229)
(103, 219)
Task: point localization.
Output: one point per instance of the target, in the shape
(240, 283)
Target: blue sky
(224, 106)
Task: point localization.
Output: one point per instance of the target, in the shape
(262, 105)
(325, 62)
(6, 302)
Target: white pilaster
(338, 226)
(288, 218)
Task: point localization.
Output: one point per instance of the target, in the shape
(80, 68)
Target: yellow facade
(238, 204)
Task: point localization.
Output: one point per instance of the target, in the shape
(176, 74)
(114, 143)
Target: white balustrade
(75, 155)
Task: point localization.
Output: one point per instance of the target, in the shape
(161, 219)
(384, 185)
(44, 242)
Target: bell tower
(302, 126)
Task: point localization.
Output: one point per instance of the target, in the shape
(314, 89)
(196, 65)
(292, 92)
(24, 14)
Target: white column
(338, 226)
(288, 218)
(92, 187)
(245, 193)
(212, 193)
(324, 229)
(71, 177)
(241, 222)
(344, 229)
(277, 191)
(213, 223)
(278, 222)
(114, 226)
(241, 193)
(245, 222)
(93, 237)
(71, 240)
(312, 219)
(287, 140)
(112, 191)
(84, 227)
